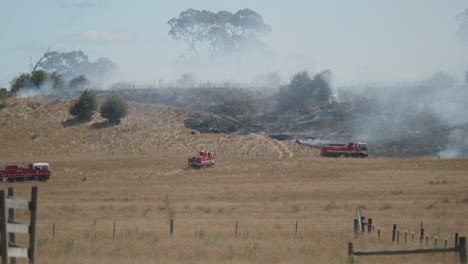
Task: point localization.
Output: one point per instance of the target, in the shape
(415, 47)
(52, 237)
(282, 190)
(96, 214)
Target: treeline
(39, 78)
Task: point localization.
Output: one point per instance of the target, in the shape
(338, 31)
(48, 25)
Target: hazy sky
(359, 40)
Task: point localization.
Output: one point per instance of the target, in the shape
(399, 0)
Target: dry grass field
(135, 175)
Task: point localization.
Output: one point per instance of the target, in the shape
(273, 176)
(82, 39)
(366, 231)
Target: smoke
(424, 117)
(44, 90)
(457, 146)
(463, 29)
(314, 142)
(49, 88)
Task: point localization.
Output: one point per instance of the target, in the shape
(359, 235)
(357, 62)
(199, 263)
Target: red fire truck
(39, 171)
(345, 150)
(202, 159)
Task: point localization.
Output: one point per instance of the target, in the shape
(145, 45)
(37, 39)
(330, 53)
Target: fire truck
(345, 150)
(202, 159)
(38, 171)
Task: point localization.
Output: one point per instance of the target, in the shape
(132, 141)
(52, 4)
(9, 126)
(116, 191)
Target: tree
(235, 32)
(113, 109)
(304, 91)
(187, 80)
(222, 32)
(84, 108)
(323, 92)
(38, 77)
(57, 81)
(75, 63)
(20, 82)
(78, 83)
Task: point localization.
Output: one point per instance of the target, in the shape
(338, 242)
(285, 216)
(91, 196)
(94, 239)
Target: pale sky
(359, 40)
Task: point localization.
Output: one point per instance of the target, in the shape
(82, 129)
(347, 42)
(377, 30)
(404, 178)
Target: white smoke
(31, 92)
(314, 142)
(457, 146)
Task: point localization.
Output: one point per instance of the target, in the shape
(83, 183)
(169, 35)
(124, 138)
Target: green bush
(79, 82)
(304, 91)
(20, 82)
(38, 78)
(57, 81)
(84, 108)
(113, 109)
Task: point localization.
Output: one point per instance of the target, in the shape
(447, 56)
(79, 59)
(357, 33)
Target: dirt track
(122, 173)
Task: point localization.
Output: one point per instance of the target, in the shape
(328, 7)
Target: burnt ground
(241, 111)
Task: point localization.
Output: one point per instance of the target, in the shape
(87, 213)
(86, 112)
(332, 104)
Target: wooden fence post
(393, 232)
(11, 219)
(113, 232)
(32, 227)
(236, 227)
(378, 232)
(53, 230)
(350, 253)
(295, 234)
(171, 230)
(369, 225)
(445, 242)
(462, 250)
(398, 236)
(456, 240)
(363, 224)
(406, 234)
(356, 224)
(421, 238)
(3, 228)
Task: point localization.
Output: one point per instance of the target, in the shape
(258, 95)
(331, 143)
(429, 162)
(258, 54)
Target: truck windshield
(364, 146)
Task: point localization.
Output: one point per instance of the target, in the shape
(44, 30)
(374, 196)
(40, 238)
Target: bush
(57, 81)
(20, 82)
(84, 108)
(113, 109)
(304, 91)
(38, 78)
(79, 83)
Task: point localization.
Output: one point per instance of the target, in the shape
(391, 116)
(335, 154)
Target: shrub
(39, 77)
(304, 91)
(20, 82)
(80, 83)
(113, 109)
(57, 81)
(84, 108)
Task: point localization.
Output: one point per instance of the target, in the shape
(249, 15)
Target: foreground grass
(265, 196)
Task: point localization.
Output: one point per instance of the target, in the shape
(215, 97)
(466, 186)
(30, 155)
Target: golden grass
(122, 174)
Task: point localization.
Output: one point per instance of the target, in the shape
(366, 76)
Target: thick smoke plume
(427, 115)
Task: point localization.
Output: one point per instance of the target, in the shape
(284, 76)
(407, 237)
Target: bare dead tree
(34, 67)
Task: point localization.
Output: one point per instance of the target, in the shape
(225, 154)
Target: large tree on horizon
(72, 64)
(222, 32)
